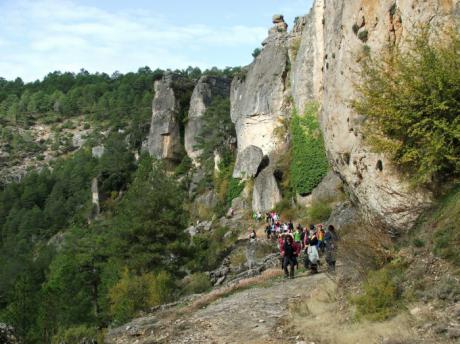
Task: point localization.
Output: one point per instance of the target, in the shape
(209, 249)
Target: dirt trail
(254, 315)
(250, 316)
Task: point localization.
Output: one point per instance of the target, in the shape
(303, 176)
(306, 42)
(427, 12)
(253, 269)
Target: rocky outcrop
(259, 97)
(306, 52)
(207, 89)
(266, 193)
(335, 37)
(169, 103)
(97, 151)
(328, 190)
(248, 162)
(7, 335)
(259, 106)
(96, 209)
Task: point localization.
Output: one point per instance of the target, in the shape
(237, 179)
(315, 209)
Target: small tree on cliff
(411, 99)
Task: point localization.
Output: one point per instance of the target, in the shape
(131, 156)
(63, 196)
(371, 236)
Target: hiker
(290, 251)
(297, 235)
(304, 237)
(330, 240)
(252, 235)
(268, 230)
(268, 217)
(312, 252)
(291, 226)
(320, 235)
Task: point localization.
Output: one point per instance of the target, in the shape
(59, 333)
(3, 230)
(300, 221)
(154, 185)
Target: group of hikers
(314, 241)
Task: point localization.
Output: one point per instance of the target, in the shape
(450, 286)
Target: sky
(42, 36)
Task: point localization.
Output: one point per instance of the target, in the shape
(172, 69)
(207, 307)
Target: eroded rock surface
(248, 162)
(336, 36)
(207, 89)
(259, 98)
(169, 102)
(266, 193)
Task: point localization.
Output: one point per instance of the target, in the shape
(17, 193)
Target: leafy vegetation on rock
(411, 99)
(309, 163)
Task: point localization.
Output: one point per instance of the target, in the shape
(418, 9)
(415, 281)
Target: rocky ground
(254, 315)
(309, 309)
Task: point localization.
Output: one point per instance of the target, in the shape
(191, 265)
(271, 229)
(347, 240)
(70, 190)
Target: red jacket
(297, 248)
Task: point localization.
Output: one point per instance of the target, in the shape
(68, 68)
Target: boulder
(170, 98)
(7, 335)
(97, 151)
(248, 162)
(266, 193)
(342, 215)
(327, 190)
(205, 91)
(280, 24)
(207, 199)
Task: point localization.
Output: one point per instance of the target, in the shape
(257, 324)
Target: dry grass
(364, 246)
(319, 317)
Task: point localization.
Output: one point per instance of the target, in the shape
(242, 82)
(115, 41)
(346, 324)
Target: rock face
(259, 99)
(259, 105)
(95, 198)
(207, 88)
(334, 38)
(326, 191)
(169, 102)
(248, 162)
(266, 193)
(307, 52)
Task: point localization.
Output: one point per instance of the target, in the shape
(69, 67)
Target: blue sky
(41, 36)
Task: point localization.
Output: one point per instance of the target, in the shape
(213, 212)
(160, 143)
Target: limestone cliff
(169, 102)
(207, 88)
(259, 98)
(335, 36)
(323, 52)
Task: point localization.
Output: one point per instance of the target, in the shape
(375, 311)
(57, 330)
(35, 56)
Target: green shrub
(363, 36)
(237, 258)
(75, 334)
(446, 243)
(319, 211)
(309, 162)
(209, 249)
(412, 102)
(282, 206)
(135, 293)
(381, 296)
(235, 187)
(184, 166)
(295, 46)
(418, 243)
(256, 52)
(68, 125)
(355, 28)
(198, 283)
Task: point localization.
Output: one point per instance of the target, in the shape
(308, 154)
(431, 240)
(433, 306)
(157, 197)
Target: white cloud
(46, 35)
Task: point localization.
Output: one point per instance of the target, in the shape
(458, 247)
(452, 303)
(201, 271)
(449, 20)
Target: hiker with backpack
(330, 240)
(312, 253)
(320, 234)
(290, 251)
(268, 230)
